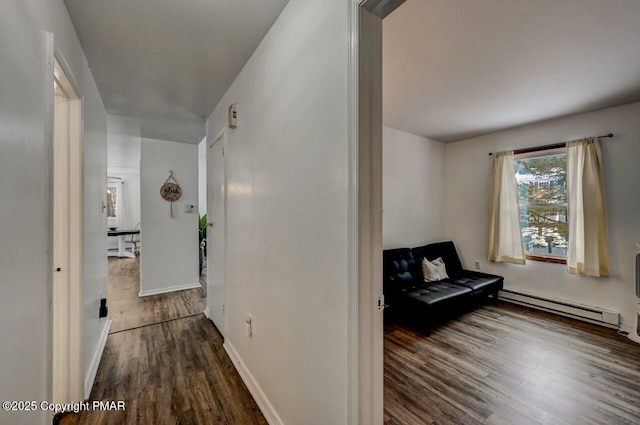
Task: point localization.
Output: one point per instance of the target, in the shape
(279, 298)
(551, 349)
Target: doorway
(216, 234)
(68, 374)
(366, 330)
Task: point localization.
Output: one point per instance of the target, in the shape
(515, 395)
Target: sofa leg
(426, 328)
(496, 301)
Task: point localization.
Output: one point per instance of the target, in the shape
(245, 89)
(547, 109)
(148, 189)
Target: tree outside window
(542, 191)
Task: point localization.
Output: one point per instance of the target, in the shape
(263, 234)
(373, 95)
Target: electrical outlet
(477, 264)
(104, 310)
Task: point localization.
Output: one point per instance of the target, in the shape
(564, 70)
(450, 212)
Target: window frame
(112, 222)
(545, 258)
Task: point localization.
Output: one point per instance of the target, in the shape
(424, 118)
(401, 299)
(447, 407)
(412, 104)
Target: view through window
(542, 191)
(111, 200)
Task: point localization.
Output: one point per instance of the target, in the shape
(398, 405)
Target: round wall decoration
(170, 192)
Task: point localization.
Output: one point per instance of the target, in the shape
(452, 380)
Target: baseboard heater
(598, 316)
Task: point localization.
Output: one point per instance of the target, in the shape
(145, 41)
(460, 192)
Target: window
(112, 203)
(542, 193)
(111, 200)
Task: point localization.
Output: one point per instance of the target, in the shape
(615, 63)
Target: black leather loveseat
(421, 303)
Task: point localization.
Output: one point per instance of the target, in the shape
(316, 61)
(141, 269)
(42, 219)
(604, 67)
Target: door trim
(220, 137)
(365, 319)
(48, 145)
(72, 384)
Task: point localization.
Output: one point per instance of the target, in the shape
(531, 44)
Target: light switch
(233, 115)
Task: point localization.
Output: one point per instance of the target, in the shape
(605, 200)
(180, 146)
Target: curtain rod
(547, 147)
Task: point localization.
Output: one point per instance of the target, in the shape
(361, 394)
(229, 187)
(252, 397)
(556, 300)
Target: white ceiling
(455, 69)
(169, 62)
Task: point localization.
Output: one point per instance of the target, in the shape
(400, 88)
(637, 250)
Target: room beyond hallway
(127, 310)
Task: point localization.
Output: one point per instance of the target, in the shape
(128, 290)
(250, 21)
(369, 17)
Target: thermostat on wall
(233, 115)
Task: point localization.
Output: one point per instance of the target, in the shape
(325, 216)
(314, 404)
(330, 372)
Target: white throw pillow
(434, 270)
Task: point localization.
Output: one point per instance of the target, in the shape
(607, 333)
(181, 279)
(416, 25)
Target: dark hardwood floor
(127, 310)
(169, 367)
(175, 372)
(514, 366)
(497, 365)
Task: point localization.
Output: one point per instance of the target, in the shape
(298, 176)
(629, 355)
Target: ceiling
(455, 69)
(169, 62)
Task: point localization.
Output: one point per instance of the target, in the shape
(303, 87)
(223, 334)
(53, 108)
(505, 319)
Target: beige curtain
(505, 240)
(587, 233)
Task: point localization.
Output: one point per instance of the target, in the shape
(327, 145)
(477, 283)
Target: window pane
(111, 201)
(542, 190)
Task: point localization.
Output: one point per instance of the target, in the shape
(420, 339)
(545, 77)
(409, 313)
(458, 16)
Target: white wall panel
(169, 255)
(25, 267)
(414, 190)
(287, 213)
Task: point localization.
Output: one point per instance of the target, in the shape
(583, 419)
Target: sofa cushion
(446, 250)
(434, 292)
(399, 266)
(477, 281)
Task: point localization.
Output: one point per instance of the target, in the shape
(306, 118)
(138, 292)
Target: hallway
(165, 360)
(127, 310)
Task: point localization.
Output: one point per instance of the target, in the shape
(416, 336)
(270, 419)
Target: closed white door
(216, 246)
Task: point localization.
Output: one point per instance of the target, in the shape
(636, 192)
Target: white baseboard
(169, 289)
(261, 399)
(90, 375)
(206, 313)
(626, 328)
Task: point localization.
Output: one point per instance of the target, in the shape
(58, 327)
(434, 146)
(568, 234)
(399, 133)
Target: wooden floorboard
(166, 362)
(127, 310)
(497, 365)
(509, 365)
(174, 372)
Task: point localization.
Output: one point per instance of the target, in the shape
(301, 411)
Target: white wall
(123, 160)
(287, 213)
(414, 192)
(202, 176)
(124, 140)
(469, 191)
(169, 257)
(25, 277)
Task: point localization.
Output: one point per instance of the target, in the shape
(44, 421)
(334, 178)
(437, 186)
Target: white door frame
(67, 333)
(220, 138)
(366, 302)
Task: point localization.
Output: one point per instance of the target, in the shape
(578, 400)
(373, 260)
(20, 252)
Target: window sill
(555, 260)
